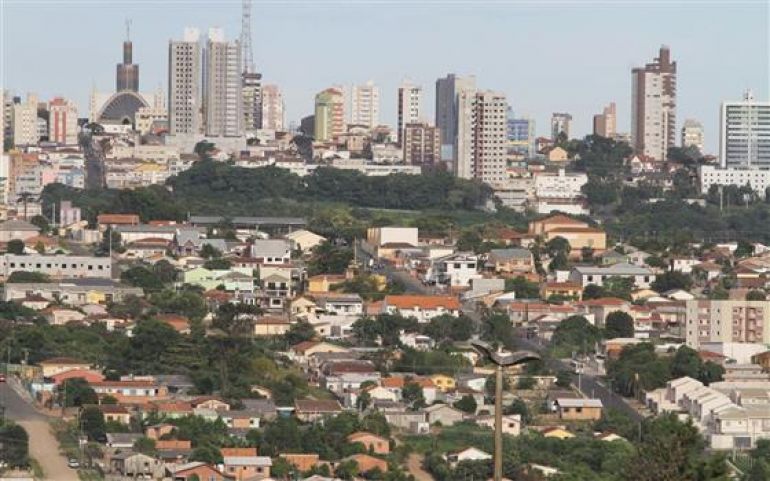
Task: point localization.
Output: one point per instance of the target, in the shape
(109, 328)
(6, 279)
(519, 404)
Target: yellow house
(558, 432)
(96, 297)
(271, 326)
(580, 237)
(443, 382)
(324, 282)
(566, 289)
(557, 154)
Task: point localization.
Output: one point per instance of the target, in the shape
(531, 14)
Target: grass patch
(37, 470)
(452, 438)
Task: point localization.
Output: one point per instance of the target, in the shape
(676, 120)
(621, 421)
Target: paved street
(43, 446)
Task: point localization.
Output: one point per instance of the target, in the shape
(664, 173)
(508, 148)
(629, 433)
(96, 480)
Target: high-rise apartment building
(653, 106)
(692, 134)
(727, 321)
(560, 123)
(447, 90)
(7, 119)
(422, 144)
(365, 105)
(329, 114)
(480, 144)
(62, 121)
(409, 107)
(605, 123)
(184, 84)
(521, 135)
(251, 94)
(272, 108)
(25, 129)
(223, 96)
(744, 139)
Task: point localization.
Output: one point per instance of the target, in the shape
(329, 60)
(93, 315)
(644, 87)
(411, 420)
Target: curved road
(43, 446)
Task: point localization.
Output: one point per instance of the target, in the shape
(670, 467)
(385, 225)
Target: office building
(365, 105)
(272, 108)
(251, 94)
(409, 107)
(25, 128)
(184, 84)
(480, 143)
(329, 114)
(692, 134)
(447, 90)
(744, 139)
(560, 123)
(605, 123)
(727, 321)
(521, 135)
(62, 121)
(653, 106)
(223, 96)
(422, 144)
(755, 177)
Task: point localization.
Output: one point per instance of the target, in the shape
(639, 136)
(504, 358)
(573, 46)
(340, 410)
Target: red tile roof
(423, 302)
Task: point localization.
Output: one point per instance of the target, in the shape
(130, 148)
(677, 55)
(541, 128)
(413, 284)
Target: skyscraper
(560, 123)
(605, 123)
(447, 90)
(251, 94)
(653, 106)
(329, 114)
(272, 108)
(223, 96)
(62, 121)
(25, 121)
(127, 74)
(422, 144)
(692, 134)
(184, 84)
(365, 105)
(409, 107)
(744, 139)
(480, 144)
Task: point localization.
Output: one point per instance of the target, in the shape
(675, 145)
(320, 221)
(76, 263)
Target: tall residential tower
(223, 102)
(744, 139)
(184, 84)
(409, 107)
(653, 106)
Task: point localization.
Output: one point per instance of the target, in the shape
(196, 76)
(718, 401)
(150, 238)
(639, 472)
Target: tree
(29, 277)
(498, 329)
(672, 280)
(145, 445)
(575, 333)
(77, 392)
(15, 246)
(593, 291)
(299, 332)
(523, 288)
(140, 276)
(559, 262)
(208, 251)
(526, 383)
(15, 442)
(755, 295)
(619, 324)
(412, 395)
(563, 378)
(620, 287)
(558, 245)
(518, 406)
(206, 453)
(92, 421)
(42, 223)
(448, 327)
(217, 264)
(363, 400)
(466, 404)
(329, 259)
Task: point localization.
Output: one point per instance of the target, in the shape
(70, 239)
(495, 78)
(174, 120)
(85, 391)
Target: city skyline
(530, 76)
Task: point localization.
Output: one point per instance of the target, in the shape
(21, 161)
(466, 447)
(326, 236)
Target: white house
(422, 308)
(642, 277)
(467, 454)
(456, 270)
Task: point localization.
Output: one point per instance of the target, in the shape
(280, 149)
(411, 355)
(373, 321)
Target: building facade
(223, 95)
(480, 143)
(447, 110)
(653, 106)
(605, 123)
(24, 122)
(744, 139)
(727, 321)
(184, 84)
(692, 134)
(365, 105)
(422, 144)
(329, 114)
(521, 135)
(560, 123)
(57, 266)
(251, 94)
(409, 107)
(62, 121)
(272, 108)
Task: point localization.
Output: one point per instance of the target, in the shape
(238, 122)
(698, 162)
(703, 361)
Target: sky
(545, 55)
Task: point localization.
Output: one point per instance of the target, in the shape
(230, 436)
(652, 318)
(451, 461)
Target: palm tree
(25, 197)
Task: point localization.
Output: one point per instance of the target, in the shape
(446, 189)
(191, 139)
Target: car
(2, 377)
(73, 463)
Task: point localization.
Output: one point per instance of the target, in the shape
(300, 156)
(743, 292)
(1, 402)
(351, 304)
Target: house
(386, 242)
(241, 419)
(456, 270)
(510, 261)
(271, 251)
(443, 382)
(421, 307)
(156, 431)
(104, 221)
(579, 409)
(35, 302)
(131, 392)
(467, 454)
(579, 234)
(301, 462)
(135, 465)
(244, 464)
(310, 410)
(61, 316)
(210, 402)
(641, 276)
(301, 352)
(569, 290)
(372, 442)
(304, 240)
(197, 471)
(115, 413)
(557, 432)
(181, 324)
(599, 309)
(57, 365)
(609, 437)
(511, 423)
(556, 154)
(89, 375)
(17, 229)
(121, 440)
(340, 304)
(443, 414)
(367, 463)
(324, 282)
(271, 326)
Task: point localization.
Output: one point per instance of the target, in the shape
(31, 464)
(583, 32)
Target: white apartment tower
(223, 98)
(25, 129)
(409, 107)
(480, 144)
(184, 84)
(744, 139)
(692, 134)
(653, 106)
(365, 105)
(272, 108)
(560, 123)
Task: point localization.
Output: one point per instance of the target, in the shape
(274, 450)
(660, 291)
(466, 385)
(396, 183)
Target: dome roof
(121, 108)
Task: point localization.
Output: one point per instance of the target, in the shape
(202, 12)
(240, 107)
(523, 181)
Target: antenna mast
(247, 58)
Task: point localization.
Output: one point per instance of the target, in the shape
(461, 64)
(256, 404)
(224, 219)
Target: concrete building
(560, 122)
(692, 134)
(329, 114)
(422, 144)
(62, 121)
(409, 107)
(653, 106)
(727, 321)
(184, 84)
(74, 292)
(223, 91)
(251, 96)
(272, 108)
(560, 184)
(758, 179)
(25, 121)
(365, 105)
(447, 90)
(585, 275)
(521, 135)
(57, 266)
(480, 141)
(744, 139)
(605, 123)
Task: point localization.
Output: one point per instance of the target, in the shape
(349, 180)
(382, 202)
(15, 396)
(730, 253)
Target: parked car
(2, 377)
(73, 463)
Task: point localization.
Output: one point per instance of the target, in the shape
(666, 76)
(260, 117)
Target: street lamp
(501, 360)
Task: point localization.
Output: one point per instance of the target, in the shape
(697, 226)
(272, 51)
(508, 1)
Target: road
(43, 446)
(414, 467)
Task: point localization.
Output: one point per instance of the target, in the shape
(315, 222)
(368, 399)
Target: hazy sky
(547, 56)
